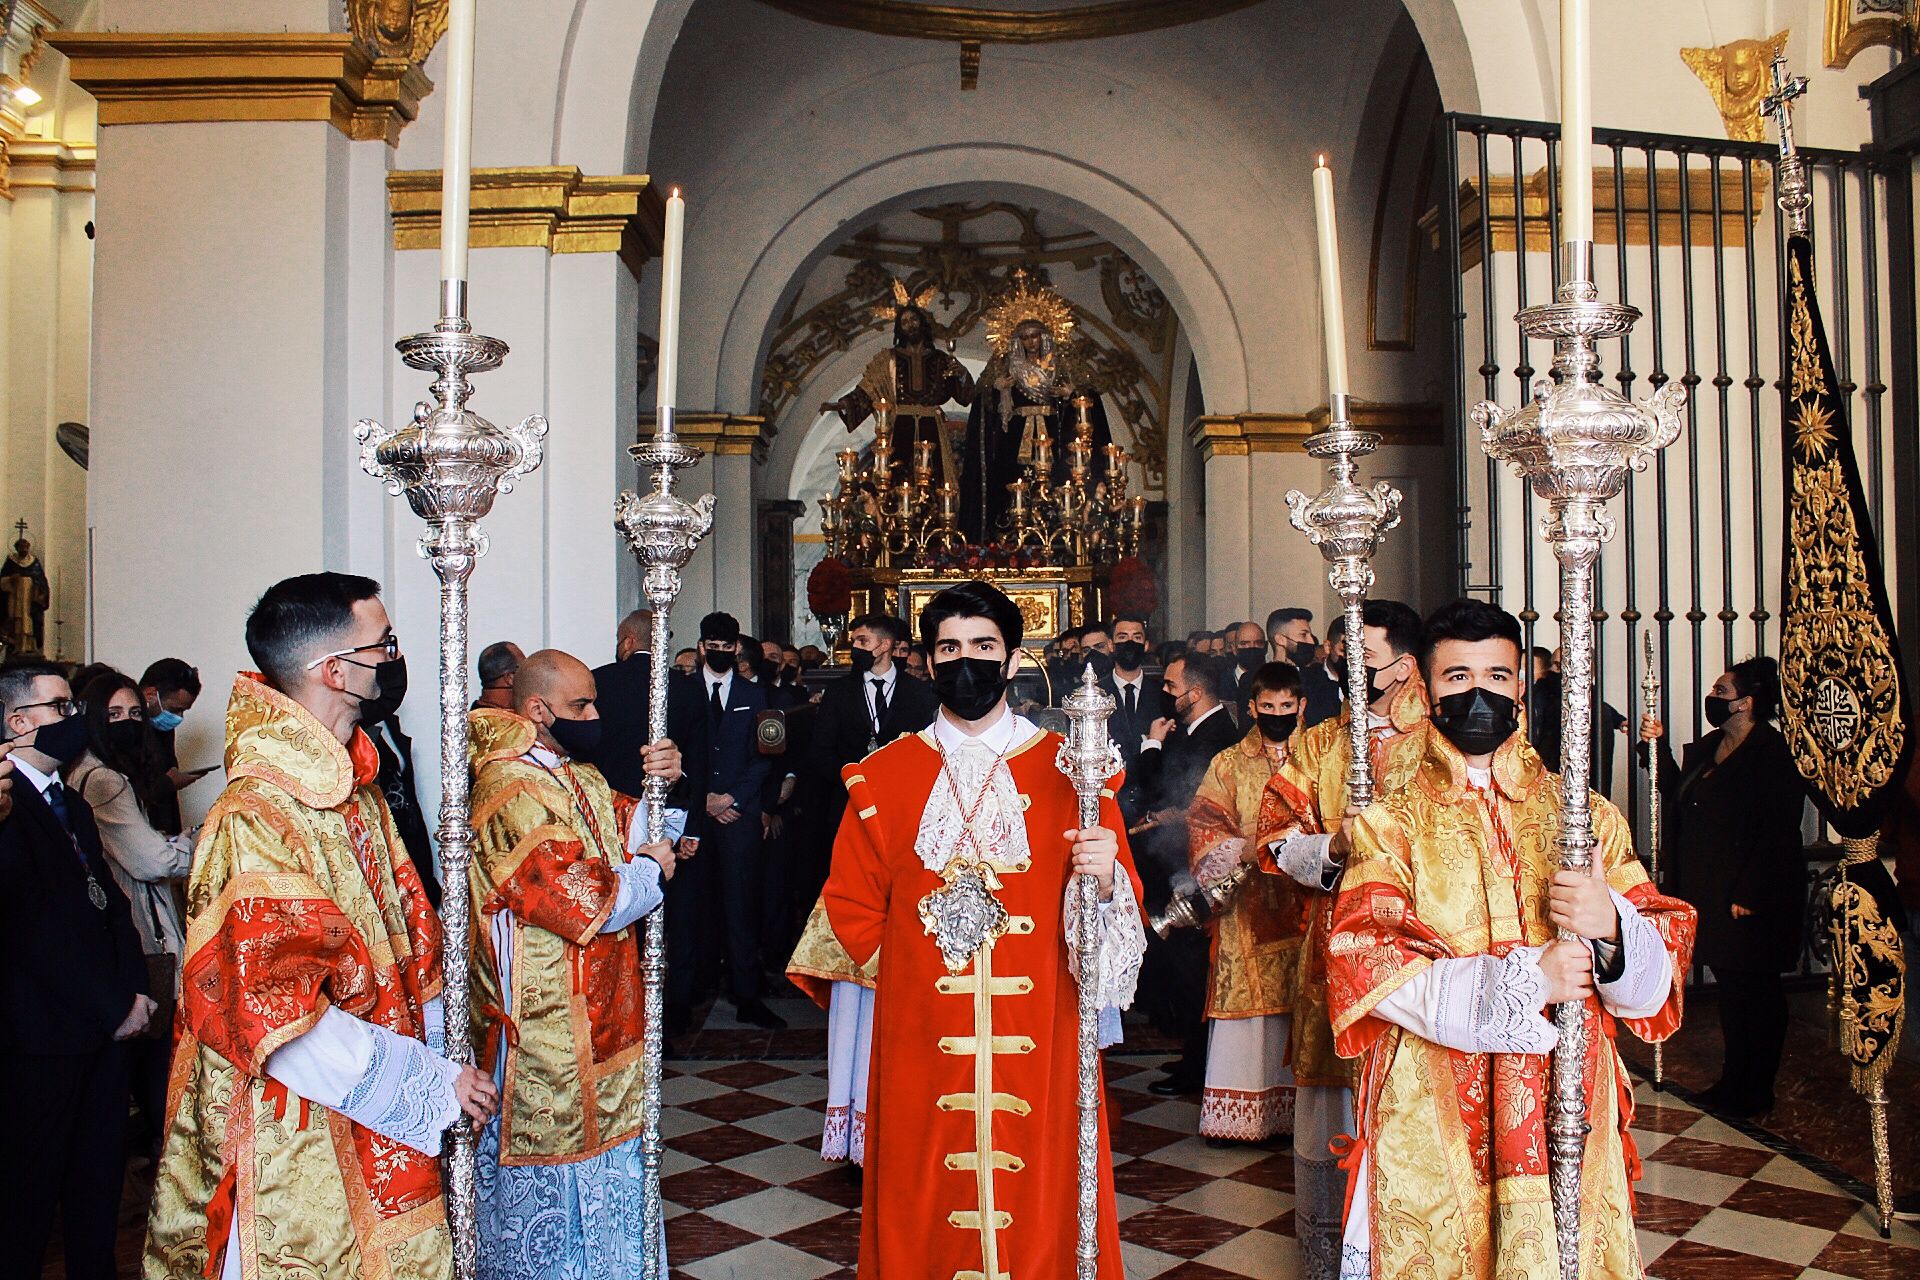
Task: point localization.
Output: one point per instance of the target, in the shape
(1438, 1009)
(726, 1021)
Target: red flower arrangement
(830, 588)
(1131, 592)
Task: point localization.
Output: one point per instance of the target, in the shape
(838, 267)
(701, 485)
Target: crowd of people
(197, 995)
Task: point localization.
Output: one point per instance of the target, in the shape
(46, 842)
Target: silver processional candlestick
(1345, 521)
(1574, 442)
(450, 463)
(1650, 706)
(662, 531)
(1089, 759)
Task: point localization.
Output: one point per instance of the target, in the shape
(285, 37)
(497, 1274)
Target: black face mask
(1475, 720)
(1102, 664)
(969, 687)
(1301, 654)
(389, 691)
(719, 661)
(1248, 659)
(63, 740)
(1374, 687)
(1276, 728)
(578, 738)
(1719, 710)
(862, 660)
(1129, 654)
(126, 737)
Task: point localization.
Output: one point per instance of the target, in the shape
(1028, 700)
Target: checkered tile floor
(750, 1199)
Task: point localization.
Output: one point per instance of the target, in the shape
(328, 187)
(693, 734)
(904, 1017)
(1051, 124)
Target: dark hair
(1469, 621)
(1541, 652)
(1095, 628)
(1281, 617)
(1214, 675)
(175, 675)
(144, 766)
(1119, 618)
(1070, 633)
(721, 628)
(1273, 677)
(1759, 679)
(895, 629)
(1169, 650)
(496, 661)
(1399, 621)
(299, 615)
(926, 325)
(974, 599)
(17, 677)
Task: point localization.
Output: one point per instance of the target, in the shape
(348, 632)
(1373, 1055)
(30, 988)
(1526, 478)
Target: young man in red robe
(955, 862)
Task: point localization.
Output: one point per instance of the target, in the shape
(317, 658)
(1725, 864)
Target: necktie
(57, 801)
(879, 704)
(714, 706)
(1133, 702)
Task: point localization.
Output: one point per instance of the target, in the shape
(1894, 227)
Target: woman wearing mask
(1734, 804)
(122, 775)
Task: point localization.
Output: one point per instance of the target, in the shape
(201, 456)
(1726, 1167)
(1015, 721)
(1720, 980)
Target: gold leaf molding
(1240, 434)
(551, 207)
(725, 435)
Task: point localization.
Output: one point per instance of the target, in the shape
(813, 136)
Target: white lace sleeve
(389, 1083)
(1642, 988)
(639, 893)
(1121, 946)
(433, 1025)
(1304, 858)
(1479, 1004)
(1219, 861)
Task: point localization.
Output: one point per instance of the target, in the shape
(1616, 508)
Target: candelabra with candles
(1574, 443)
(877, 519)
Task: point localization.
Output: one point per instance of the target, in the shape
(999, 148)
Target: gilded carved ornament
(406, 30)
(1854, 25)
(1736, 76)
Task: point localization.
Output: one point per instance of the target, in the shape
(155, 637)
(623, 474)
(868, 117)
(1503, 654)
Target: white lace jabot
(999, 825)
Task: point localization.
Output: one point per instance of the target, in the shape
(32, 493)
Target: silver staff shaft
(1088, 758)
(662, 531)
(451, 463)
(1650, 706)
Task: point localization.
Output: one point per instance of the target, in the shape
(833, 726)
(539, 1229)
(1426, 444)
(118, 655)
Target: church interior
(222, 225)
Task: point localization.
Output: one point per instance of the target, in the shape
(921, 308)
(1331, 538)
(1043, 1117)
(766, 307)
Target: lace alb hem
(1243, 1116)
(845, 1136)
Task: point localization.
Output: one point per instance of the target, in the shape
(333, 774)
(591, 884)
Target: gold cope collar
(497, 734)
(276, 740)
(1443, 770)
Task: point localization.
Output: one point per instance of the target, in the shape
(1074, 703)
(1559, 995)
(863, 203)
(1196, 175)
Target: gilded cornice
(724, 435)
(551, 207)
(44, 164)
(1007, 26)
(206, 77)
(1239, 434)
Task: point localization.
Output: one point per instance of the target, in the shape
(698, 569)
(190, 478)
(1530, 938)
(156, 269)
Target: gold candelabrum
(877, 518)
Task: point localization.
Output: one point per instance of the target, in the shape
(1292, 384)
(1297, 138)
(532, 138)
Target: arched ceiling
(1025, 22)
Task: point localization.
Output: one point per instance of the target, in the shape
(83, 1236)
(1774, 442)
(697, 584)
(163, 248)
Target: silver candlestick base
(1575, 443)
(450, 463)
(1088, 758)
(1345, 521)
(662, 531)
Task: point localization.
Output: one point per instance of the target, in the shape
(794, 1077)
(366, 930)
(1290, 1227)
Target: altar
(1052, 598)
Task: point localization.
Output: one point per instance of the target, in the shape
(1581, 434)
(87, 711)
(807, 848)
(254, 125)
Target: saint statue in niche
(1025, 417)
(24, 595)
(914, 380)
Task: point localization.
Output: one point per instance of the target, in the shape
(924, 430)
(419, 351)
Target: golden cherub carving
(1736, 75)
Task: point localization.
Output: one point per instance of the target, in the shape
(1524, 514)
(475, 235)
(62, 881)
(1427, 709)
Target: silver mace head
(1344, 520)
(450, 461)
(1088, 757)
(1576, 440)
(661, 529)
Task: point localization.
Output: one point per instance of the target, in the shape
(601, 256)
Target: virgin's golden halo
(1026, 302)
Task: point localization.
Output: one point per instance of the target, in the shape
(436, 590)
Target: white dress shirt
(888, 683)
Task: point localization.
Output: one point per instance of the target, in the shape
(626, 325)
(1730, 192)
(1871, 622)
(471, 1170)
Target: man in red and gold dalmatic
(560, 877)
(954, 862)
(1304, 825)
(1442, 963)
(308, 1092)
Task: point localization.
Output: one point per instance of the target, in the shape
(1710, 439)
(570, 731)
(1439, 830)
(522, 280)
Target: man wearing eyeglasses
(72, 989)
(310, 1090)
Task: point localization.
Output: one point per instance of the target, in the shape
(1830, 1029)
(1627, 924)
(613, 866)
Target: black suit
(730, 855)
(1127, 729)
(69, 972)
(1319, 694)
(1173, 979)
(623, 694)
(395, 750)
(844, 732)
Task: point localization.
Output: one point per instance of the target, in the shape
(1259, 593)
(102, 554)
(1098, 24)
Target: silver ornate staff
(1650, 706)
(450, 462)
(1089, 758)
(1575, 442)
(661, 531)
(1345, 521)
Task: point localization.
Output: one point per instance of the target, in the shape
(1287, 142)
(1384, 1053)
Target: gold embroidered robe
(1456, 1142)
(1256, 940)
(301, 896)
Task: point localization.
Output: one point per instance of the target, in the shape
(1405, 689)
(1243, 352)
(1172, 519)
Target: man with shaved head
(561, 877)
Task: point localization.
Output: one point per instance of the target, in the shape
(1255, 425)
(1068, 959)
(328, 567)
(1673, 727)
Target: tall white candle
(667, 373)
(1576, 124)
(1332, 319)
(457, 155)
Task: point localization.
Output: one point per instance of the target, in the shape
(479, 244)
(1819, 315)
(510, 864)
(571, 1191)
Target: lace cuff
(639, 893)
(1479, 1004)
(392, 1084)
(1219, 861)
(433, 1026)
(673, 826)
(1121, 946)
(1647, 969)
(1304, 858)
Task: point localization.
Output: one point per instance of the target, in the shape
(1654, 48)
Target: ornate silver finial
(1345, 521)
(1792, 190)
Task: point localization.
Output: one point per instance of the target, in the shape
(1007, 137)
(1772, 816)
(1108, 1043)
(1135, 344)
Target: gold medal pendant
(962, 915)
